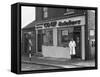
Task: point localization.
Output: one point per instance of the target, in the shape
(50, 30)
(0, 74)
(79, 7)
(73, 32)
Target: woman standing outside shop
(72, 46)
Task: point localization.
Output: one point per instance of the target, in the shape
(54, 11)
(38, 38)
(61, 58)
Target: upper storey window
(68, 11)
(45, 12)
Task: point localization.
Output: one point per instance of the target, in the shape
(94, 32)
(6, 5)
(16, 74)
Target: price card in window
(65, 32)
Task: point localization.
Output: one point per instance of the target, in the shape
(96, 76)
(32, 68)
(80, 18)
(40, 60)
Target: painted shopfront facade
(52, 36)
(55, 36)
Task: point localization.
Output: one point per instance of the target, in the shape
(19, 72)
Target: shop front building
(51, 37)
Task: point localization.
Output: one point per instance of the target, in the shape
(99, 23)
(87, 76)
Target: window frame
(45, 12)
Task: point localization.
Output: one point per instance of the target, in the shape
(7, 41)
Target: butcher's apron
(72, 48)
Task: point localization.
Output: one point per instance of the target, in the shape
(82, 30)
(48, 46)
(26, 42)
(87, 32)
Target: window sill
(68, 13)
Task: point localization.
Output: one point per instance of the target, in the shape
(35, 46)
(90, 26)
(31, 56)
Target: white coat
(72, 46)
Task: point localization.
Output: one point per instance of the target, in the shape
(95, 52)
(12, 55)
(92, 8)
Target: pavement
(59, 62)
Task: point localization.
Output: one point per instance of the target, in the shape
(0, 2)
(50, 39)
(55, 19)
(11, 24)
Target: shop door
(77, 38)
(40, 41)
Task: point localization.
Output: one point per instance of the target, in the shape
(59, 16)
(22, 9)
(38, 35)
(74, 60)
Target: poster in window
(64, 32)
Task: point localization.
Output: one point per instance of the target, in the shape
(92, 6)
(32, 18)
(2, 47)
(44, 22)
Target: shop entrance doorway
(77, 39)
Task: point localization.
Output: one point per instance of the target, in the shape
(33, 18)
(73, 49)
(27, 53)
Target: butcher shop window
(64, 36)
(48, 37)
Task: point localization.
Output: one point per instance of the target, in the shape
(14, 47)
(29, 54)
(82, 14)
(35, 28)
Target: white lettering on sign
(74, 21)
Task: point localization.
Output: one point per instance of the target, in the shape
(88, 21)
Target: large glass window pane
(48, 37)
(64, 36)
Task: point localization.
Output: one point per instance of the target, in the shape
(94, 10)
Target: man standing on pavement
(72, 46)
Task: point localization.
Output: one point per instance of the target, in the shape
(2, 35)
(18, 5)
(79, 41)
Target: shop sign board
(74, 21)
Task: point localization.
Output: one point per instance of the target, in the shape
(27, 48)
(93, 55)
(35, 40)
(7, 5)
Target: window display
(64, 36)
(48, 37)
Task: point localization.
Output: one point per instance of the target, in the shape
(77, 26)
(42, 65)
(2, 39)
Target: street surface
(41, 63)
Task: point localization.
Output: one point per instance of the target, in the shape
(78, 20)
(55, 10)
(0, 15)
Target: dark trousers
(72, 56)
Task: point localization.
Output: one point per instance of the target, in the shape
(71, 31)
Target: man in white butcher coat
(72, 46)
